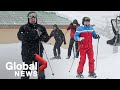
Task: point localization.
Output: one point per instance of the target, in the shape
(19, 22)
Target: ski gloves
(97, 36)
(81, 39)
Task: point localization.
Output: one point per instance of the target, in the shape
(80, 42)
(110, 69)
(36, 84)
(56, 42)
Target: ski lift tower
(115, 48)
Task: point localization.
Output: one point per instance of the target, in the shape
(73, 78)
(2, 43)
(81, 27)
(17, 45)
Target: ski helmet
(85, 19)
(32, 14)
(55, 25)
(75, 21)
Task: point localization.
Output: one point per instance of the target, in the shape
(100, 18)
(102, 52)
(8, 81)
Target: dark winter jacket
(30, 39)
(58, 35)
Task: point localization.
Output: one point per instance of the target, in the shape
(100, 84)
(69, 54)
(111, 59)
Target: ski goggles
(32, 15)
(87, 19)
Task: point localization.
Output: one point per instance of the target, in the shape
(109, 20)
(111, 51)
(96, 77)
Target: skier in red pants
(84, 36)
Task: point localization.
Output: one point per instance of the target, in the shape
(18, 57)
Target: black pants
(71, 46)
(57, 47)
(25, 59)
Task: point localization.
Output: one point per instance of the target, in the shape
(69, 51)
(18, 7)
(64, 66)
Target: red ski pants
(90, 54)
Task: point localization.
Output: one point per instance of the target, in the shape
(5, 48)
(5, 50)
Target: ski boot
(55, 57)
(80, 75)
(58, 57)
(92, 75)
(76, 56)
(68, 57)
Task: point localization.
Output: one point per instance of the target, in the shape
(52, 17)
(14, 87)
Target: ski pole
(39, 33)
(49, 62)
(97, 54)
(74, 51)
(38, 62)
(73, 59)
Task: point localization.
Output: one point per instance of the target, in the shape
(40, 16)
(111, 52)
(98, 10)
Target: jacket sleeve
(25, 35)
(21, 33)
(94, 34)
(63, 36)
(44, 37)
(69, 27)
(77, 34)
(51, 34)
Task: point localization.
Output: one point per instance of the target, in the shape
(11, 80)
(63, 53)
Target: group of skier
(33, 34)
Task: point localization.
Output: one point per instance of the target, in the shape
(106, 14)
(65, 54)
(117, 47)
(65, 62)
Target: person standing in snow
(72, 27)
(84, 36)
(31, 35)
(59, 39)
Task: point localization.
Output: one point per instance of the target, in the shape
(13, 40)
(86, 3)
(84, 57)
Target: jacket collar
(31, 25)
(87, 26)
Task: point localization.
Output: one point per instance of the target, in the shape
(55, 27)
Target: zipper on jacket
(88, 37)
